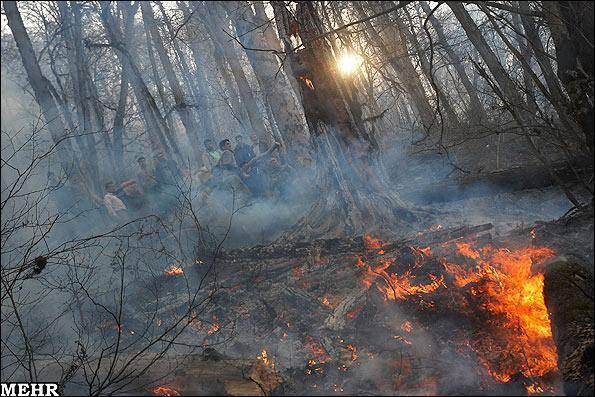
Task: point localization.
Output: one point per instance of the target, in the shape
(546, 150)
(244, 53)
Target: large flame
(501, 288)
(511, 289)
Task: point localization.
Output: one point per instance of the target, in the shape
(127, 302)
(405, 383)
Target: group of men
(151, 190)
(250, 169)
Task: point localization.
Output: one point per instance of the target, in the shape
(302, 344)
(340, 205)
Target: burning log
(568, 293)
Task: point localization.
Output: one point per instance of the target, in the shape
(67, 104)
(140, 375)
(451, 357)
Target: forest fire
(320, 354)
(213, 328)
(266, 360)
(508, 287)
(164, 391)
(500, 289)
(396, 286)
(174, 270)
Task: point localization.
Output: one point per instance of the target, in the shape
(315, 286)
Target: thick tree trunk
(215, 22)
(568, 293)
(42, 93)
(362, 202)
(284, 108)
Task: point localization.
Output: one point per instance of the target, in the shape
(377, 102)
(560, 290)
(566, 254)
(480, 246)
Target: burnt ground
(328, 333)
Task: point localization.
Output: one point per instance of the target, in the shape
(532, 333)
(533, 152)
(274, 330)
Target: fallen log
(509, 180)
(568, 294)
(344, 246)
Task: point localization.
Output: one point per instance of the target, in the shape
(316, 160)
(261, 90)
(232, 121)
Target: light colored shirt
(113, 204)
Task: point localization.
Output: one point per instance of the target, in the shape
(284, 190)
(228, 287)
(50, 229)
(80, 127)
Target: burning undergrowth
(462, 316)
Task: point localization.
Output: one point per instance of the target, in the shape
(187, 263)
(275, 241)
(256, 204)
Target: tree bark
(284, 108)
(345, 150)
(43, 96)
(476, 109)
(182, 107)
(215, 23)
(571, 25)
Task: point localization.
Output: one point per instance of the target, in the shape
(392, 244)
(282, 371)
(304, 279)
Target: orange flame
(165, 391)
(397, 286)
(174, 270)
(308, 82)
(406, 326)
(213, 328)
(266, 360)
(353, 351)
(372, 243)
(513, 291)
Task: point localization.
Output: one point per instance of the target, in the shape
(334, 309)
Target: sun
(348, 63)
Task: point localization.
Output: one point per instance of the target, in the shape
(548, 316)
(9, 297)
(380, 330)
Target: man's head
(225, 144)
(209, 144)
(160, 156)
(254, 138)
(110, 187)
(142, 162)
(239, 139)
(274, 161)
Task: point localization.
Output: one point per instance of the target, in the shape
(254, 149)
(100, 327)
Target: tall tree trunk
(232, 100)
(476, 109)
(284, 108)
(506, 89)
(160, 136)
(427, 69)
(345, 152)
(215, 22)
(198, 86)
(571, 25)
(398, 57)
(182, 107)
(72, 31)
(43, 96)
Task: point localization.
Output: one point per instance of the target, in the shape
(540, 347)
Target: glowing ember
(308, 82)
(533, 233)
(372, 243)
(325, 301)
(397, 286)
(165, 391)
(213, 328)
(512, 293)
(353, 313)
(353, 349)
(406, 326)
(320, 354)
(266, 360)
(174, 270)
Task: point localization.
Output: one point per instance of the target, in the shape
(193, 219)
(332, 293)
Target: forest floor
(330, 318)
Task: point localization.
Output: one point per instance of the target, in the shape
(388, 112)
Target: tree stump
(568, 293)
